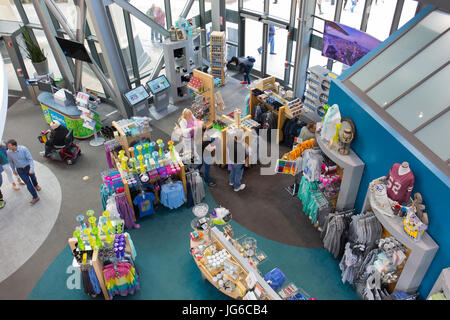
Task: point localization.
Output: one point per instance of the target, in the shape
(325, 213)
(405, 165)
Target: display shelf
(352, 167)
(421, 253)
(442, 284)
(125, 141)
(217, 55)
(207, 92)
(281, 114)
(98, 264)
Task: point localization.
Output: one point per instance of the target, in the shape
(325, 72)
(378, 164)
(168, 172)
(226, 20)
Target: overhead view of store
(224, 150)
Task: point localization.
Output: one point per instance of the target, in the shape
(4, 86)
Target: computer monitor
(74, 49)
(70, 98)
(136, 95)
(159, 84)
(45, 86)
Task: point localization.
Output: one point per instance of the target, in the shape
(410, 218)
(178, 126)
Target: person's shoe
(243, 82)
(34, 200)
(259, 51)
(15, 187)
(273, 53)
(2, 204)
(42, 153)
(20, 181)
(212, 184)
(38, 188)
(242, 187)
(231, 184)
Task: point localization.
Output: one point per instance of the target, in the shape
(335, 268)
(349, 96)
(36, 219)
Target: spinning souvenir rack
(203, 107)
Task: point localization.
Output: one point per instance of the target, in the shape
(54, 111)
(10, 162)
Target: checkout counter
(67, 114)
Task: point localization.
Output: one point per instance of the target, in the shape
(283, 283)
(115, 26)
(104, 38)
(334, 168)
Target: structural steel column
(241, 30)
(50, 33)
(304, 28)
(81, 22)
(290, 41)
(104, 32)
(218, 15)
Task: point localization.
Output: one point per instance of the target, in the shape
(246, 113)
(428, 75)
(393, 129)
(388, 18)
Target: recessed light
(420, 114)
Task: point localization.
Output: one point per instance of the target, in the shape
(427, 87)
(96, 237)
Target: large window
(380, 18)
(408, 11)
(281, 9)
(8, 11)
(253, 41)
(275, 62)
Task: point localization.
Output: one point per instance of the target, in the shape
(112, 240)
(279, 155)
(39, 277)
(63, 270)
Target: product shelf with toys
(217, 55)
(203, 106)
(149, 164)
(232, 274)
(100, 246)
(131, 130)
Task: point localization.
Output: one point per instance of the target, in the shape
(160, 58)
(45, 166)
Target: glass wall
(275, 61)
(380, 18)
(280, 9)
(253, 41)
(255, 5)
(8, 11)
(408, 12)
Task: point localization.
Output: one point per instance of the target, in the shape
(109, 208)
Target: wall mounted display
(346, 44)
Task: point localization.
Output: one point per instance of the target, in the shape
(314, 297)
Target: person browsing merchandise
(22, 164)
(308, 131)
(238, 156)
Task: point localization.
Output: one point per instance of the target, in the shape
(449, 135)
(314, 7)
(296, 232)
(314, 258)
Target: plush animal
(419, 208)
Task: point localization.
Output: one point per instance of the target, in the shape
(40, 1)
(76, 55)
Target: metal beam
(305, 22)
(94, 67)
(397, 15)
(241, 30)
(50, 33)
(81, 22)
(131, 45)
(157, 69)
(104, 33)
(366, 13)
(201, 4)
(290, 42)
(187, 8)
(143, 17)
(168, 10)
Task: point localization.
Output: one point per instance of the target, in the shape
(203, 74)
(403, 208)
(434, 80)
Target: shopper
(308, 131)
(187, 124)
(157, 15)
(271, 40)
(22, 164)
(354, 3)
(206, 161)
(319, 4)
(245, 65)
(57, 137)
(7, 168)
(2, 202)
(238, 155)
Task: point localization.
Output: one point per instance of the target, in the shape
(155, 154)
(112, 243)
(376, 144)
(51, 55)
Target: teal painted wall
(380, 146)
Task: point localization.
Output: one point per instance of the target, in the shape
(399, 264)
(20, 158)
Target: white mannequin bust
(404, 168)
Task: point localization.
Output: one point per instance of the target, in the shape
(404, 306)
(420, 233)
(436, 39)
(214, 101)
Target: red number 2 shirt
(398, 186)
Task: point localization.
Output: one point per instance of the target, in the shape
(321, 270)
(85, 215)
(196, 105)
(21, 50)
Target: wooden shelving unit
(217, 55)
(206, 92)
(281, 114)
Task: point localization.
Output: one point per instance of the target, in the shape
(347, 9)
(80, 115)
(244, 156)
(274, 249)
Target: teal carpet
(168, 272)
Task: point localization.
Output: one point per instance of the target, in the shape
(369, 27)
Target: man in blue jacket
(245, 65)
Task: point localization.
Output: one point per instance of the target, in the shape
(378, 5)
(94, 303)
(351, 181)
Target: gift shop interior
(225, 150)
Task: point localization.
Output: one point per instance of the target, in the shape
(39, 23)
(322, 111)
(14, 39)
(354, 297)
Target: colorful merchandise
(413, 226)
(144, 201)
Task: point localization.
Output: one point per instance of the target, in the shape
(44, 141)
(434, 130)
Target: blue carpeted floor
(168, 272)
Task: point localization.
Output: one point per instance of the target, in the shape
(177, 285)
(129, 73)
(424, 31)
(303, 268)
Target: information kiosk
(137, 99)
(159, 88)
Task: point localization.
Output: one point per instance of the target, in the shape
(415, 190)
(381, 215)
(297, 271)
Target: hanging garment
(94, 281)
(104, 194)
(172, 195)
(120, 279)
(133, 249)
(125, 211)
(365, 228)
(197, 186)
(190, 200)
(144, 201)
(351, 261)
(398, 186)
(312, 164)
